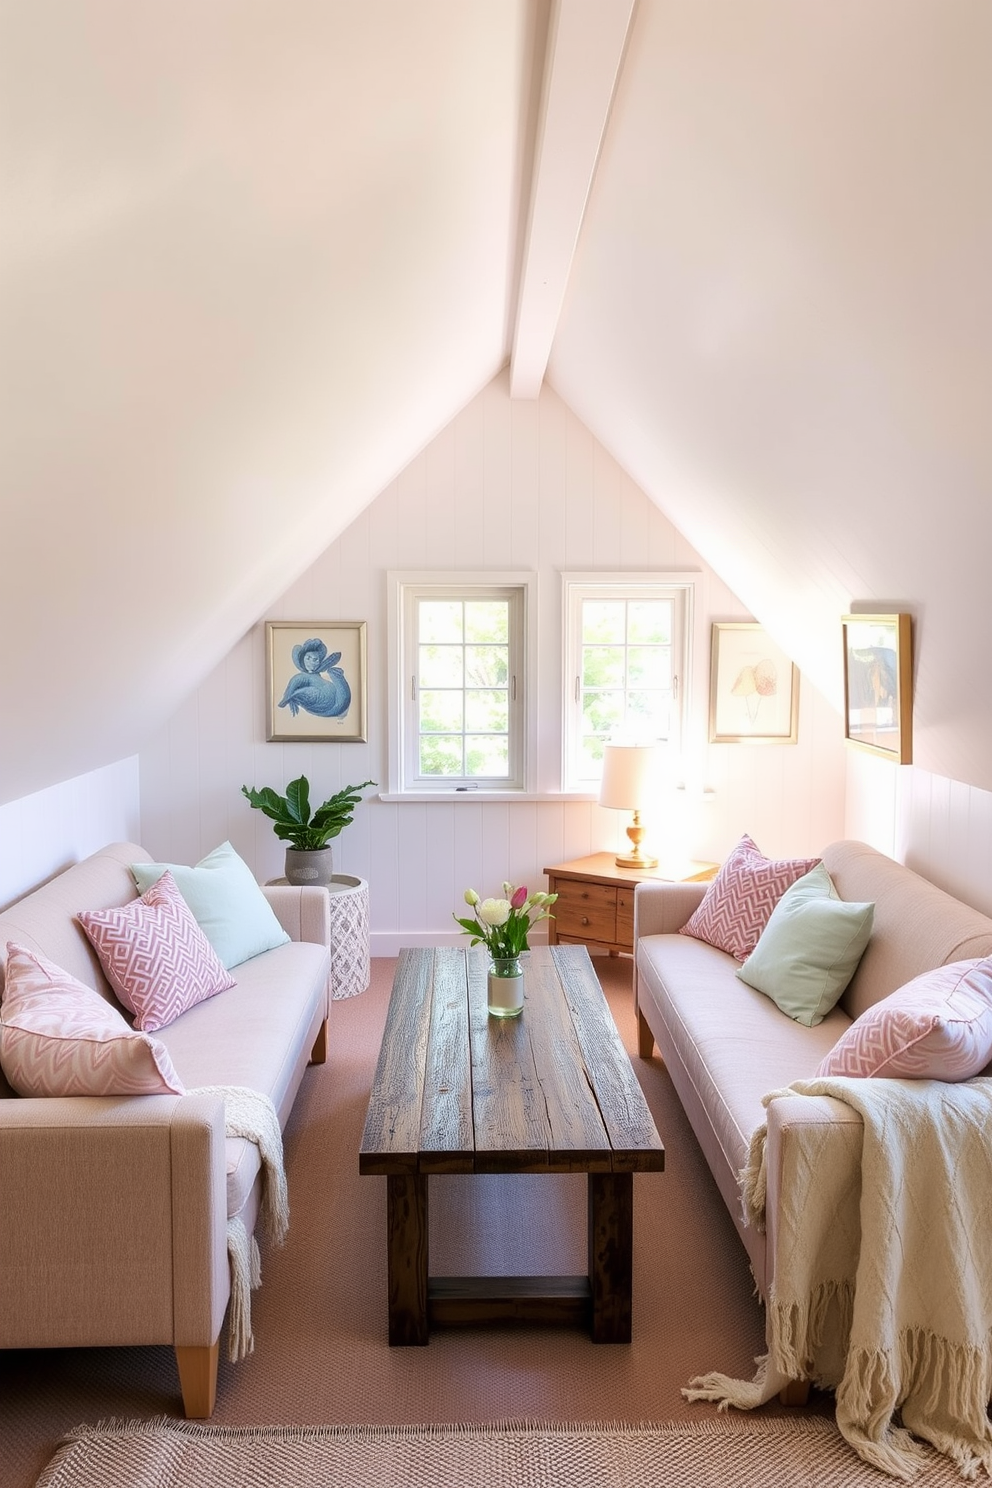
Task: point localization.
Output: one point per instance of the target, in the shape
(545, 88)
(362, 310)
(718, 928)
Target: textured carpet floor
(724, 1453)
(321, 1355)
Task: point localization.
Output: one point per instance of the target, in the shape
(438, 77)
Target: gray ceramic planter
(316, 867)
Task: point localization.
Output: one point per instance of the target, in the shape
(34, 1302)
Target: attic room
(302, 302)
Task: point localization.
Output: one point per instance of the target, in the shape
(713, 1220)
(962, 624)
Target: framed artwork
(754, 687)
(878, 685)
(316, 680)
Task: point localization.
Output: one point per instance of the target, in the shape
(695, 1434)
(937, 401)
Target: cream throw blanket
(250, 1114)
(894, 1313)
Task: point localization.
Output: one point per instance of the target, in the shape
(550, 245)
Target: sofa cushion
(155, 955)
(226, 902)
(732, 1043)
(807, 953)
(936, 1027)
(59, 1037)
(738, 903)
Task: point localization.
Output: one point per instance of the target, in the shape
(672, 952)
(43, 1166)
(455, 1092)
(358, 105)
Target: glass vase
(506, 987)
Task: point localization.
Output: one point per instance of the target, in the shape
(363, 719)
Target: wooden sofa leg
(796, 1392)
(645, 1038)
(198, 1379)
(318, 1054)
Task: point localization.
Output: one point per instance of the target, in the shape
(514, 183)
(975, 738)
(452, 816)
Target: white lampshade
(630, 773)
(628, 770)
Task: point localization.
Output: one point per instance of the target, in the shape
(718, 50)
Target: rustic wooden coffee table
(552, 1091)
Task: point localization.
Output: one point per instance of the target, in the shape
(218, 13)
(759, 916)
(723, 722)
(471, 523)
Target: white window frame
(577, 587)
(404, 590)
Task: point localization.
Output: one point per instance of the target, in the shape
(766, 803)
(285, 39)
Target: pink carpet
(321, 1356)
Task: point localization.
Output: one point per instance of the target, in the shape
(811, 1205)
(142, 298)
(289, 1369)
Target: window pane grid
(463, 714)
(626, 669)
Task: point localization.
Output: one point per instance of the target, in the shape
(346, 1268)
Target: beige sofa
(114, 1211)
(725, 1045)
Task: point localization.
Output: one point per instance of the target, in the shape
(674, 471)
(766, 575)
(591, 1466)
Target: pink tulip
(519, 899)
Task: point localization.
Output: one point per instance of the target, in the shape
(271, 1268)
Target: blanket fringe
(941, 1390)
(723, 1392)
(250, 1114)
(799, 1330)
(753, 1182)
(246, 1274)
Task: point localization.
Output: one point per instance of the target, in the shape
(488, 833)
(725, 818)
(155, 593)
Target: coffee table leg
(407, 1244)
(611, 1255)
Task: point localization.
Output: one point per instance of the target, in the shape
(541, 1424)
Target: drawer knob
(585, 919)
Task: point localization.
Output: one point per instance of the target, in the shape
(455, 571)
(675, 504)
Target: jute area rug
(724, 1453)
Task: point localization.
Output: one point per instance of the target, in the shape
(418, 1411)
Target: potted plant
(309, 856)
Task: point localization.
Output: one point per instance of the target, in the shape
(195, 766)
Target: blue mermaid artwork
(326, 696)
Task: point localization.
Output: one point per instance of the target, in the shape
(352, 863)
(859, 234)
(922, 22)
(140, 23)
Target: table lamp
(625, 784)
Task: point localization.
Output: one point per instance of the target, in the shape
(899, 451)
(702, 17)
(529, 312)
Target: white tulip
(493, 912)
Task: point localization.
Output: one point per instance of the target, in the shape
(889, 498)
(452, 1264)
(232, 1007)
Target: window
(626, 639)
(459, 682)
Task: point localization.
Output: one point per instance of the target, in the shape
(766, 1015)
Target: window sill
(511, 797)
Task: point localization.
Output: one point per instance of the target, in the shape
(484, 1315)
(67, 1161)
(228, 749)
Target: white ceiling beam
(586, 41)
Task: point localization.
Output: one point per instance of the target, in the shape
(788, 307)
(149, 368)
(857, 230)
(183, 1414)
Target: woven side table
(351, 968)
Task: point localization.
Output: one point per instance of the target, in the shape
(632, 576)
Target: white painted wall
(508, 485)
(43, 833)
(940, 828)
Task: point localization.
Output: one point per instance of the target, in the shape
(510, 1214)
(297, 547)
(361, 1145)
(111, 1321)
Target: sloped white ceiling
(780, 321)
(256, 255)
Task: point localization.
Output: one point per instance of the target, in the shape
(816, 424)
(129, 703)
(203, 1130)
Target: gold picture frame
(754, 687)
(316, 681)
(878, 685)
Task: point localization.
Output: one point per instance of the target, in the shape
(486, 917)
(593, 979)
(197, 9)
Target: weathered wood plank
(391, 1139)
(508, 1106)
(447, 1134)
(460, 1301)
(578, 1140)
(636, 1144)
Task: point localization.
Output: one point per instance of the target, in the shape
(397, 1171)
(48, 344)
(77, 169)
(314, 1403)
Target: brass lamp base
(635, 858)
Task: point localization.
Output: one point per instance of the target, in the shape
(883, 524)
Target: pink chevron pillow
(936, 1027)
(738, 903)
(59, 1037)
(156, 957)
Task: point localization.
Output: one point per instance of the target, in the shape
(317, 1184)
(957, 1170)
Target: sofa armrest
(663, 908)
(822, 1136)
(113, 1225)
(302, 911)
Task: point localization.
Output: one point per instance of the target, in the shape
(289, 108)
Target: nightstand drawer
(587, 911)
(625, 917)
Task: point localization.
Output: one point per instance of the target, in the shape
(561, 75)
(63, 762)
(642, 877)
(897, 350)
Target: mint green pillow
(226, 902)
(809, 949)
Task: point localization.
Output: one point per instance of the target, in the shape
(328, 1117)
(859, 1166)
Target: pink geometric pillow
(738, 903)
(59, 1037)
(936, 1027)
(155, 956)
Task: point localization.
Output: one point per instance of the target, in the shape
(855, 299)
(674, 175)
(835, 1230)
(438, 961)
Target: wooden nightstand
(596, 900)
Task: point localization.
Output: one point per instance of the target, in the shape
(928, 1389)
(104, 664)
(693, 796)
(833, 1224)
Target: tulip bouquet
(502, 925)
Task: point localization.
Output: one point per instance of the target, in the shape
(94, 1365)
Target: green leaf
(291, 812)
(298, 800)
(268, 802)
